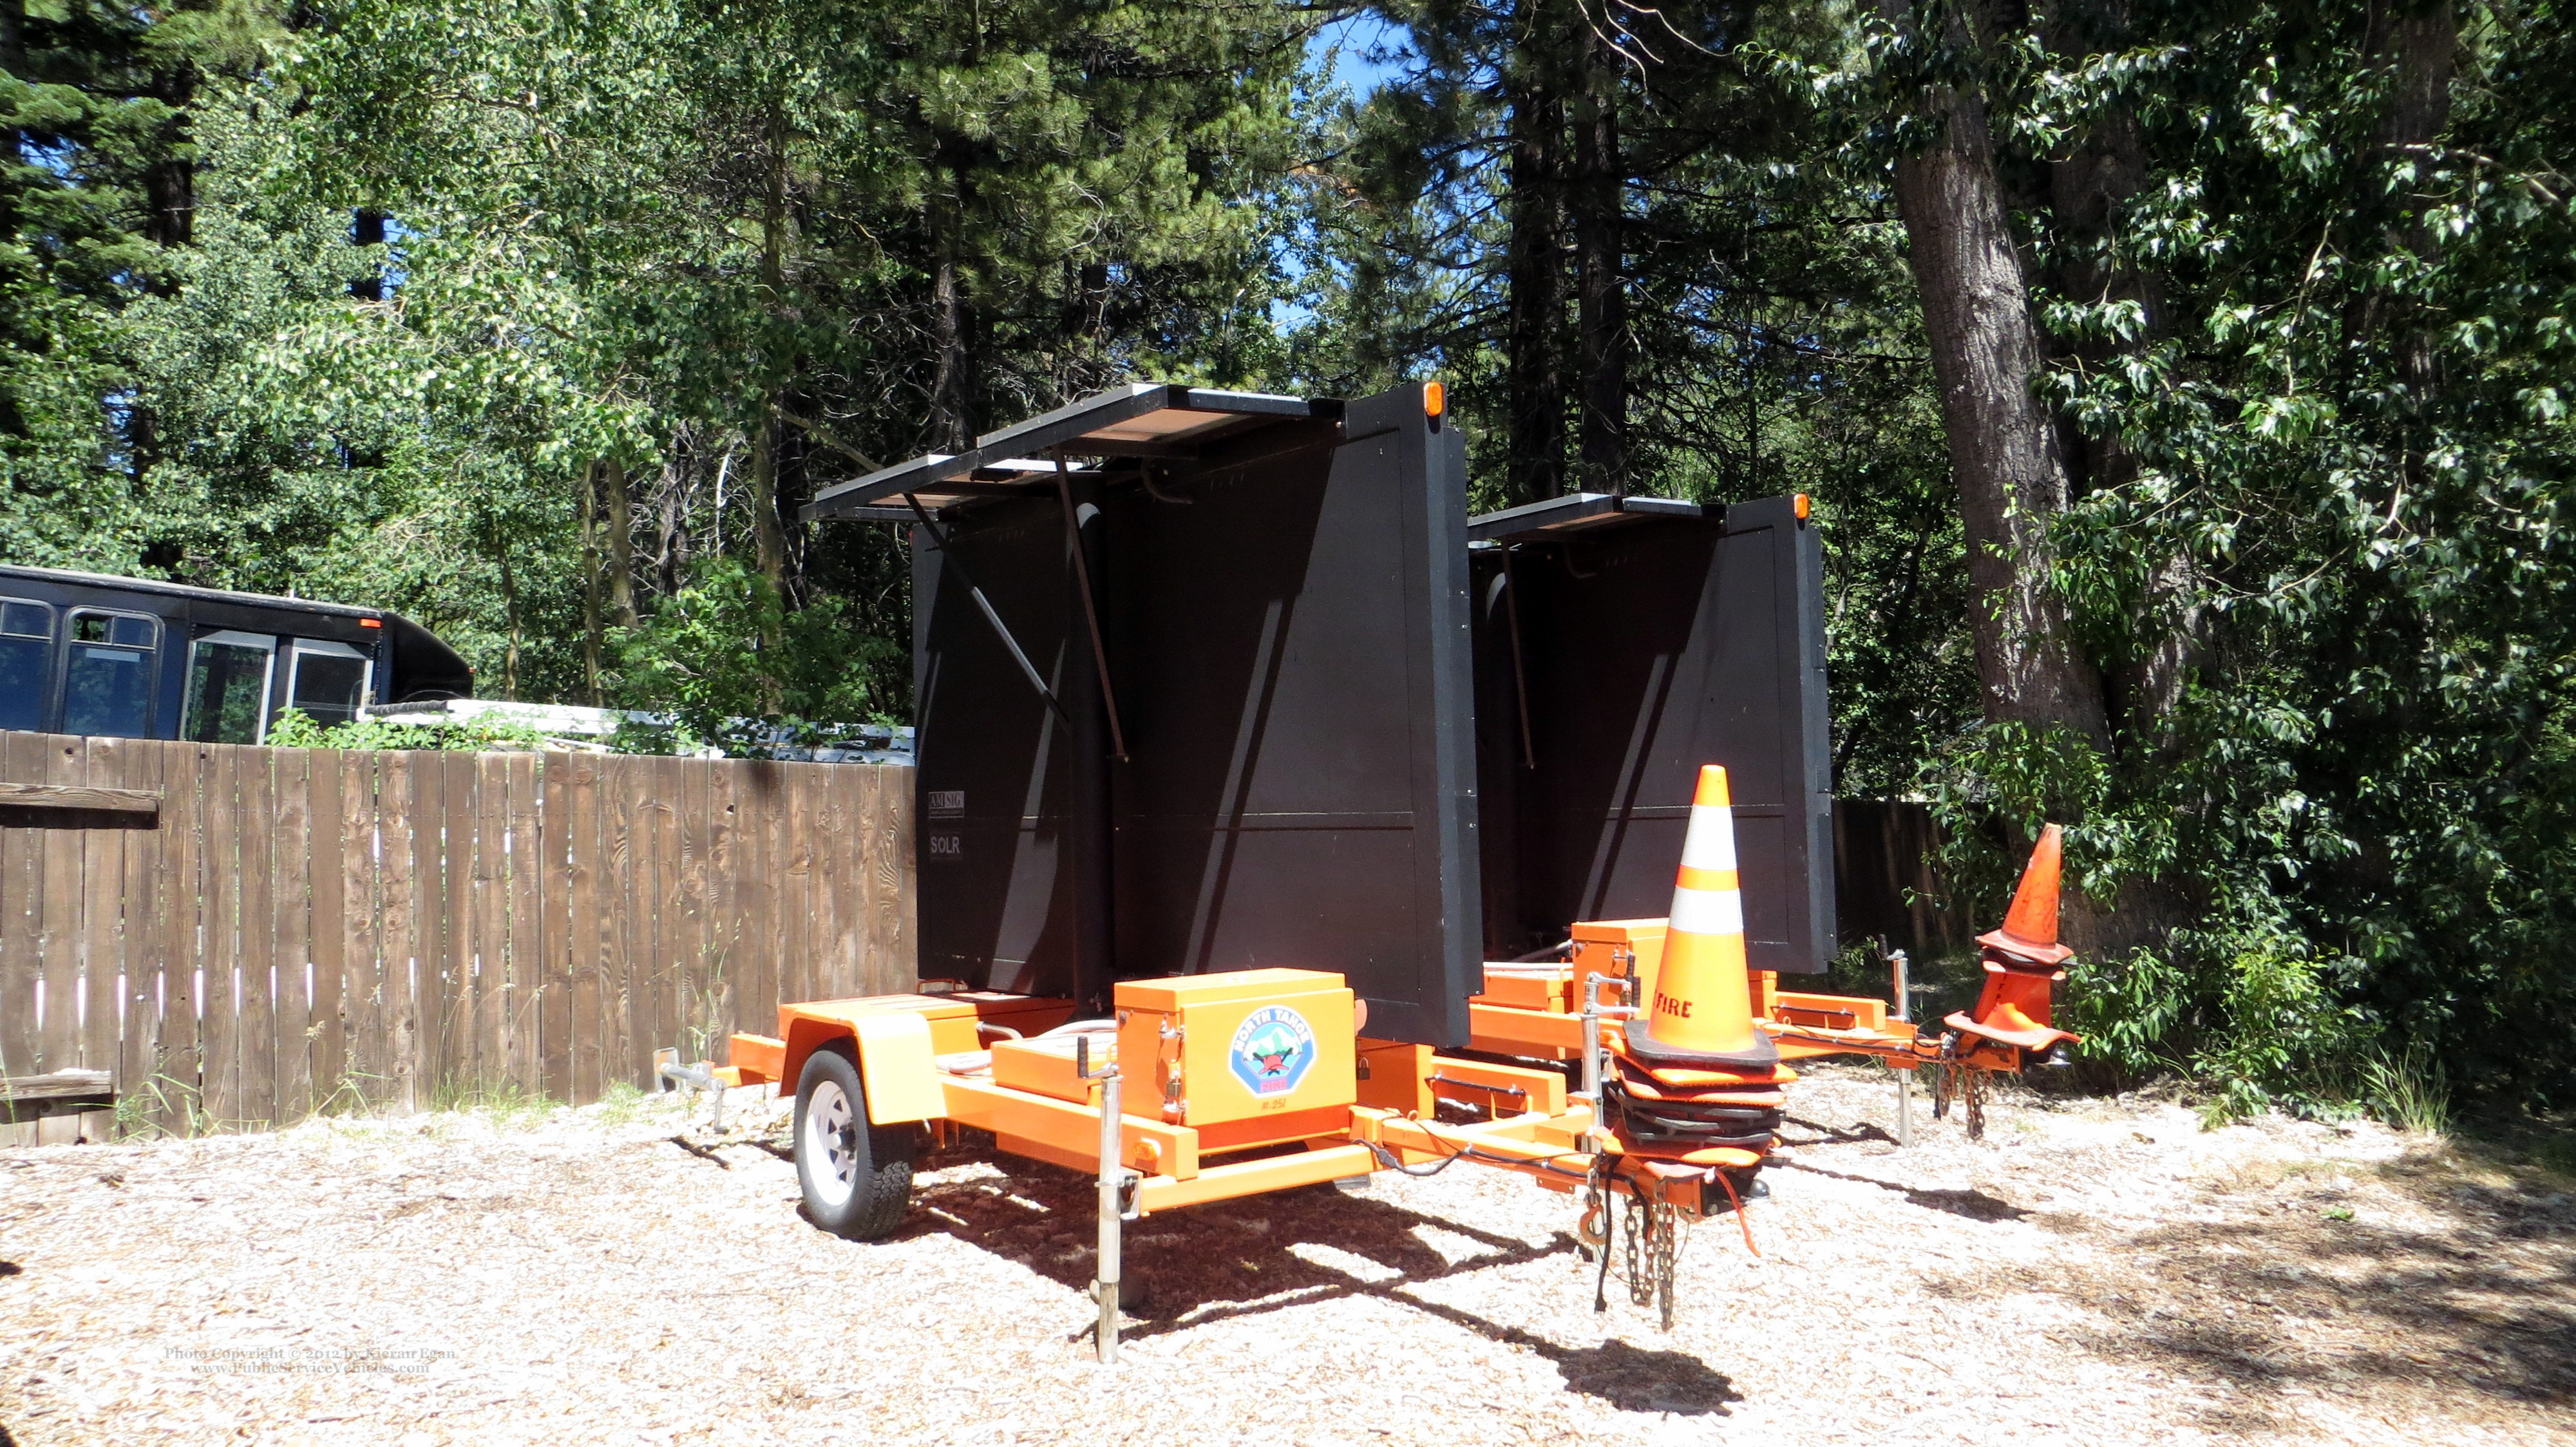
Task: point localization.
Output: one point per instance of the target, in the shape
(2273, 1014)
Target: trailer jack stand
(668, 1073)
(1116, 1193)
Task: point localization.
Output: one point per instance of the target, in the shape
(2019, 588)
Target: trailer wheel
(857, 1177)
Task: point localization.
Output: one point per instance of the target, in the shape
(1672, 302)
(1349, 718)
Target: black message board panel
(1290, 655)
(1649, 647)
(992, 783)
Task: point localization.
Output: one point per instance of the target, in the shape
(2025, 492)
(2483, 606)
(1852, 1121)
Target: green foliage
(2409, 1089)
(2133, 1011)
(163, 1105)
(295, 729)
(2342, 509)
(2279, 1031)
(730, 664)
(94, 189)
(501, 1103)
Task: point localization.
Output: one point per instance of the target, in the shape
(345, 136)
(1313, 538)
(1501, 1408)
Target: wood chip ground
(2094, 1272)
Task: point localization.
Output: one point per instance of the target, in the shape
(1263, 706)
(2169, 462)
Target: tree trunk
(592, 622)
(671, 530)
(1599, 261)
(170, 182)
(510, 612)
(2004, 446)
(2419, 43)
(951, 430)
(1534, 384)
(620, 521)
(2422, 42)
(2089, 188)
(367, 228)
(769, 539)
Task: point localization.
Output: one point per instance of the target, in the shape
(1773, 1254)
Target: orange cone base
(2028, 952)
(1684, 1078)
(1653, 1118)
(1736, 1157)
(2008, 1026)
(1753, 1098)
(1761, 1054)
(2015, 1008)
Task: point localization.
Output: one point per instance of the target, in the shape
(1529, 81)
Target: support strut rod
(939, 540)
(1090, 610)
(1520, 674)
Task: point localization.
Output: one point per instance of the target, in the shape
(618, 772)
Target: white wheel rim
(830, 1148)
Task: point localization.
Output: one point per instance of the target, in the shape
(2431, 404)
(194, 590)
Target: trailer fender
(896, 1069)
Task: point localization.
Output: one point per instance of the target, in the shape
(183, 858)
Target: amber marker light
(1799, 505)
(1435, 400)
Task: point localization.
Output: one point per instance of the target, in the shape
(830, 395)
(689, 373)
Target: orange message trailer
(1242, 750)
(1261, 1080)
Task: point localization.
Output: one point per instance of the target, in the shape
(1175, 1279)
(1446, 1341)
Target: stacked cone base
(1655, 1115)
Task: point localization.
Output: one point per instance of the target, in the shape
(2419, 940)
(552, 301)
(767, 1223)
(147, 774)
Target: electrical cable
(1467, 1151)
(1738, 1202)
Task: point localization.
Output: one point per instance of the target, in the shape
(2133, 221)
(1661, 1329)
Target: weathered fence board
(301, 930)
(21, 900)
(1884, 886)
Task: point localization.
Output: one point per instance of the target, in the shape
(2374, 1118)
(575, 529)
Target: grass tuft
(2408, 1090)
(620, 1103)
(504, 1103)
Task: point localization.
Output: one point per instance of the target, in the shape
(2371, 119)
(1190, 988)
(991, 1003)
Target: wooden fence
(1884, 887)
(248, 935)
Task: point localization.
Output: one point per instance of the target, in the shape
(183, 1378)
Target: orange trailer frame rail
(1646, 1071)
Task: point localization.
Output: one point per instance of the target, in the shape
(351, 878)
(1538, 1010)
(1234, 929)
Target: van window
(228, 682)
(330, 682)
(107, 674)
(26, 661)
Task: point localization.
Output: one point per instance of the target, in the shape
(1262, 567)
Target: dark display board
(1286, 624)
(994, 778)
(1650, 645)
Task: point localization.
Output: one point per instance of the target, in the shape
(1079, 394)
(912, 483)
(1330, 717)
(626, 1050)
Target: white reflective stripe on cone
(1708, 912)
(1710, 844)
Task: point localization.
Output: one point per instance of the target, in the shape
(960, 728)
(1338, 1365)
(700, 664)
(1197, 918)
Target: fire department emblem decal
(1273, 1049)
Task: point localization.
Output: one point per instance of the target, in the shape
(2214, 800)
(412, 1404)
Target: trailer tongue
(1205, 723)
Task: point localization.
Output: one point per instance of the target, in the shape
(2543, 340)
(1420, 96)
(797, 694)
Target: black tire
(856, 1177)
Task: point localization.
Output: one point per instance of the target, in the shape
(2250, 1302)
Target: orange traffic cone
(2022, 959)
(2030, 926)
(1702, 1011)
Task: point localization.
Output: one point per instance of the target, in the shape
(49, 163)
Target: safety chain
(1660, 1246)
(1592, 1232)
(1641, 1280)
(1956, 1080)
(1652, 1227)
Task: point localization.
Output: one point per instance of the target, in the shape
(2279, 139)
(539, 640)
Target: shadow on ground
(2325, 1286)
(1231, 1259)
(1975, 1205)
